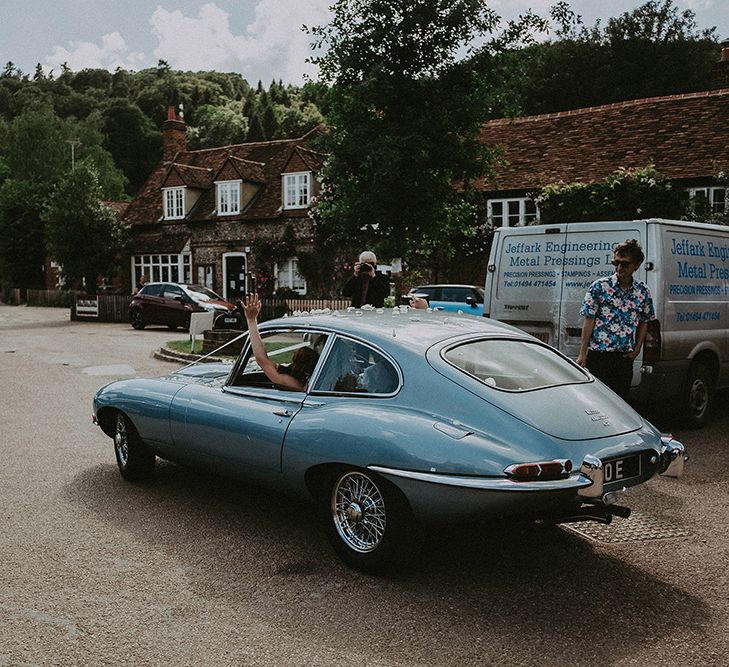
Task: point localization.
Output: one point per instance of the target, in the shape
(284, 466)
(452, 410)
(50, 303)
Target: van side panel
(692, 282)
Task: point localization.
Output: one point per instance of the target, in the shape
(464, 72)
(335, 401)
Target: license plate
(616, 470)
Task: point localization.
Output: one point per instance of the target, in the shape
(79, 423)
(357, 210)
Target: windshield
(514, 365)
(200, 293)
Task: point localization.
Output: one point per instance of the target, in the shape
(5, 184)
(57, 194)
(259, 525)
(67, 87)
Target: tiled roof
(248, 170)
(261, 162)
(684, 136)
(194, 177)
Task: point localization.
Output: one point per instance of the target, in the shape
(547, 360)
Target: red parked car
(170, 304)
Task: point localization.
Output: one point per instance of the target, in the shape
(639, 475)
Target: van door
(524, 280)
(587, 254)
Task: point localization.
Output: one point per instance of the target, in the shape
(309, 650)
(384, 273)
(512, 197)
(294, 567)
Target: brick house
(198, 215)
(686, 137)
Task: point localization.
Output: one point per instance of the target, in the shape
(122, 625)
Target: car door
(176, 307)
(151, 303)
(240, 426)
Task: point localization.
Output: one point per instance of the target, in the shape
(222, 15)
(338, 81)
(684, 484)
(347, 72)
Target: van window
(514, 365)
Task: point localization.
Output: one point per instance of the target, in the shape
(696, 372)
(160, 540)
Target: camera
(364, 267)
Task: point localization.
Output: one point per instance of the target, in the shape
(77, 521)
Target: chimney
(174, 135)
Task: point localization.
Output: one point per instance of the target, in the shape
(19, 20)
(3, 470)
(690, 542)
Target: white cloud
(272, 47)
(111, 53)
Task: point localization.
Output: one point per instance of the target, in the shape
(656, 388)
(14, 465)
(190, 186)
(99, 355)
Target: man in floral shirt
(616, 309)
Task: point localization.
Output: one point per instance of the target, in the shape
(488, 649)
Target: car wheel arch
(106, 417)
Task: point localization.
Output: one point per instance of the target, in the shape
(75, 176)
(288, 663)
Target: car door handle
(283, 413)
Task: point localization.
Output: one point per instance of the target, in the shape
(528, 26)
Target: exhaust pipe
(600, 513)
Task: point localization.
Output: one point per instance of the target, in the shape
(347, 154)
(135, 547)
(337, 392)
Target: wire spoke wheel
(134, 458)
(121, 440)
(359, 513)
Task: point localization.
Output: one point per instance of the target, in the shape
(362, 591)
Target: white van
(538, 275)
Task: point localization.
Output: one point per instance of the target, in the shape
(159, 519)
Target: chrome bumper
(673, 456)
(588, 482)
(574, 481)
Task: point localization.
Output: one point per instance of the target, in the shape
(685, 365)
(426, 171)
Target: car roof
(444, 285)
(399, 327)
(170, 282)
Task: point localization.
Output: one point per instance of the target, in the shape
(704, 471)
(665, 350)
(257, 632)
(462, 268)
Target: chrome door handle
(283, 413)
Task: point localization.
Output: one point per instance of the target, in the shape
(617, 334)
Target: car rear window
(514, 365)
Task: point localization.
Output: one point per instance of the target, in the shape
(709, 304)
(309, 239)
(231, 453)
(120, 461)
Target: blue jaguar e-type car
(407, 416)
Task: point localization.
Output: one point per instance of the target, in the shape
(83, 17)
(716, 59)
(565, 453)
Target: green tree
(131, 138)
(650, 51)
(218, 126)
(22, 252)
(82, 233)
(404, 116)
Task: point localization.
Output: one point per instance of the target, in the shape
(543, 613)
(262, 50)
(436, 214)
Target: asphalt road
(192, 569)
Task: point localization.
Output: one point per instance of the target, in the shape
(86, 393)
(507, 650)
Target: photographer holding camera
(367, 285)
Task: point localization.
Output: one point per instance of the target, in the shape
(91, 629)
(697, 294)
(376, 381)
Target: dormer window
(296, 190)
(174, 203)
(228, 197)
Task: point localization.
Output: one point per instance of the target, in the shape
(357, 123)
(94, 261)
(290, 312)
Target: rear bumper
(438, 496)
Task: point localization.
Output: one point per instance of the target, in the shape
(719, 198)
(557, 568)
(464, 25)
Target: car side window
(457, 294)
(172, 292)
(353, 367)
(294, 352)
(151, 290)
(428, 292)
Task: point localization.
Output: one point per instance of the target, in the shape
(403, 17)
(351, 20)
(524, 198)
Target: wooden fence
(115, 307)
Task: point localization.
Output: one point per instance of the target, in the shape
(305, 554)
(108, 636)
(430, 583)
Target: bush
(626, 194)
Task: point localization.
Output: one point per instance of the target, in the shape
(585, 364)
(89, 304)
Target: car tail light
(652, 342)
(529, 472)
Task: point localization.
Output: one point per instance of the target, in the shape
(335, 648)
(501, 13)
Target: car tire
(137, 319)
(367, 520)
(133, 456)
(697, 396)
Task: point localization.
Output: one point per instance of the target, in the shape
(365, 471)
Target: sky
(261, 39)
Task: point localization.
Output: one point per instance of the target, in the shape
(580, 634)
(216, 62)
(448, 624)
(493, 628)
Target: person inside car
(296, 375)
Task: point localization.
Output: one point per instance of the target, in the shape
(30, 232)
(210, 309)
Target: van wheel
(697, 396)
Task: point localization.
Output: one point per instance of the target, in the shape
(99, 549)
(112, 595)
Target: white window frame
(292, 278)
(162, 268)
(296, 188)
(522, 201)
(709, 192)
(173, 200)
(227, 197)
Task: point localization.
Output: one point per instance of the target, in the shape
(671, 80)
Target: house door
(234, 276)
